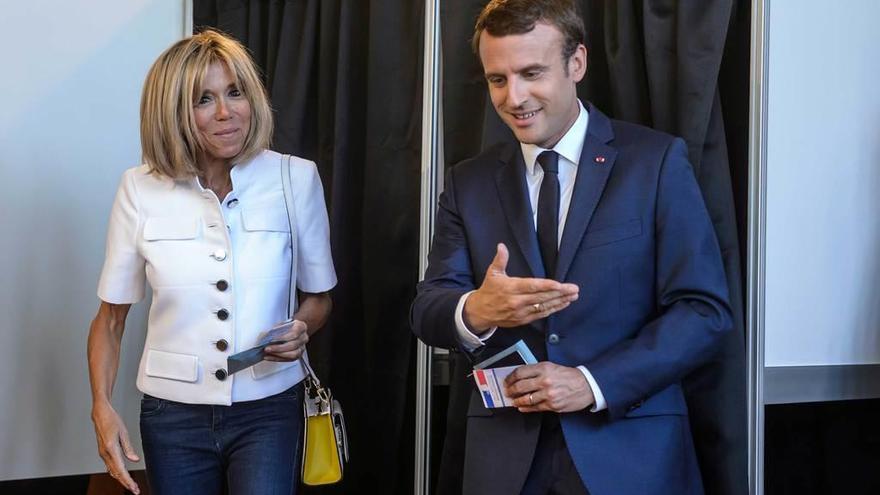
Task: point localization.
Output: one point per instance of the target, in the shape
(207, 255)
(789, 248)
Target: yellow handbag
(325, 443)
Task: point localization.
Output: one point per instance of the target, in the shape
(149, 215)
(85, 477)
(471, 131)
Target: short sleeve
(122, 278)
(315, 272)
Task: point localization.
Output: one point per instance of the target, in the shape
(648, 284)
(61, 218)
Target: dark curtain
(344, 78)
(657, 63)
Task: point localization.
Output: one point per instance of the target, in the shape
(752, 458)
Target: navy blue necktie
(548, 211)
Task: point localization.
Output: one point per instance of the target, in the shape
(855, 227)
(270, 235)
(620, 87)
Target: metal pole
(431, 184)
(757, 236)
(187, 18)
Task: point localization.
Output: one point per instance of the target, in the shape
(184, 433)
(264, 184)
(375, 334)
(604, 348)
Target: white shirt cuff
(467, 338)
(599, 404)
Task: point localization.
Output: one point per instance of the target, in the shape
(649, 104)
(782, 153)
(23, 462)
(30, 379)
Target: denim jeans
(248, 447)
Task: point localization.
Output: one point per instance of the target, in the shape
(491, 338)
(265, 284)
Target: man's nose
(516, 93)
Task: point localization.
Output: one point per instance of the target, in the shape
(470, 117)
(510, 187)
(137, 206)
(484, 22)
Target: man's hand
(548, 386)
(295, 340)
(504, 301)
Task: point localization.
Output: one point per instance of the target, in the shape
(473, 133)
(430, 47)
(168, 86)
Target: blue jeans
(248, 447)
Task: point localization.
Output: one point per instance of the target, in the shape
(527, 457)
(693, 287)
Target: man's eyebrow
(533, 67)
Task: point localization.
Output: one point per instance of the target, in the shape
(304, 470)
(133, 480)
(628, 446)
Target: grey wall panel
(823, 174)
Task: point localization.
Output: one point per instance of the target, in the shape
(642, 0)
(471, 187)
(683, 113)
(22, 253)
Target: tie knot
(549, 161)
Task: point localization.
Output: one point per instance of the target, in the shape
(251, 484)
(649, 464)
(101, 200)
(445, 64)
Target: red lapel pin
(599, 159)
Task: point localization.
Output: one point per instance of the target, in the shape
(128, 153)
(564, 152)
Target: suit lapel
(511, 184)
(597, 160)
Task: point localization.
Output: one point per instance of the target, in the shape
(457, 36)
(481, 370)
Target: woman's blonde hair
(169, 140)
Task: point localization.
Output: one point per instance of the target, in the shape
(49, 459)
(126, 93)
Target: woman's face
(222, 114)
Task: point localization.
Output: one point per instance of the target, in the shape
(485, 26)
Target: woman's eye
(235, 92)
(204, 99)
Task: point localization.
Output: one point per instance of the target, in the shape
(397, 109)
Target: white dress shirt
(219, 273)
(569, 149)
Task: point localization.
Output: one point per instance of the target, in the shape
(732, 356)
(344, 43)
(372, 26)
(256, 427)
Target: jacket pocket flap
(606, 234)
(265, 219)
(668, 401)
(171, 365)
(171, 228)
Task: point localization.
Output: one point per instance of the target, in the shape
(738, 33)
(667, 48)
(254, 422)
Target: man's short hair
(506, 17)
(170, 142)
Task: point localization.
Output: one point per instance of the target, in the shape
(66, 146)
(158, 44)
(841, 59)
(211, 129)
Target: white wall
(72, 75)
(823, 184)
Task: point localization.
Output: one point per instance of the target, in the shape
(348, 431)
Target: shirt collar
(569, 147)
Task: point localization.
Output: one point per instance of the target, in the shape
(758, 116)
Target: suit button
(220, 374)
(553, 338)
(222, 345)
(219, 254)
(222, 285)
(222, 314)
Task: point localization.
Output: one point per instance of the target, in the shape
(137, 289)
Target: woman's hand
(295, 340)
(314, 308)
(113, 443)
(105, 336)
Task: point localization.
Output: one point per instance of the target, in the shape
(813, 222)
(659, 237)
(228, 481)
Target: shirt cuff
(599, 399)
(468, 340)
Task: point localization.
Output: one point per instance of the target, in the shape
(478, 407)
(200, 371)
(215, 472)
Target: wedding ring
(531, 402)
(537, 307)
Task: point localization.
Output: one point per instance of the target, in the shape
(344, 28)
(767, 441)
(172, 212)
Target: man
(589, 241)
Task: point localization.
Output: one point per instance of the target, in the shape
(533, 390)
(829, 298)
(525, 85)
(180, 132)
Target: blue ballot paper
(252, 356)
(490, 380)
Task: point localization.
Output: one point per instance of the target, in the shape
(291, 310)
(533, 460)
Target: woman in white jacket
(204, 222)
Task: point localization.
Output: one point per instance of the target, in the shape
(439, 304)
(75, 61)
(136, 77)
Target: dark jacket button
(222, 314)
(222, 345)
(553, 338)
(222, 285)
(220, 374)
(232, 203)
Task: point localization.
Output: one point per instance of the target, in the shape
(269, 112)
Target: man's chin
(527, 137)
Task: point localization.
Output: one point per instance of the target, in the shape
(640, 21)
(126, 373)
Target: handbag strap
(287, 189)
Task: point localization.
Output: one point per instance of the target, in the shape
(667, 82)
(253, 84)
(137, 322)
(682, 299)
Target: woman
(204, 221)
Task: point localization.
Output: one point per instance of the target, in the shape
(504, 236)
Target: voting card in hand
(252, 356)
(490, 380)
(490, 383)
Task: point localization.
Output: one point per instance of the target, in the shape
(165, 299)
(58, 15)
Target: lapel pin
(599, 159)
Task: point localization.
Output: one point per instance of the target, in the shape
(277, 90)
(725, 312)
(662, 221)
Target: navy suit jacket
(652, 306)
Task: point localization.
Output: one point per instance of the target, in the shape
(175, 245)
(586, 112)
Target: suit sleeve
(691, 296)
(447, 278)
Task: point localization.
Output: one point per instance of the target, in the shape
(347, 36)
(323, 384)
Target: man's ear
(577, 63)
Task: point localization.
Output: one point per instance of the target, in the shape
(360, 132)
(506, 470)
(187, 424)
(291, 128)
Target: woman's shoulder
(141, 175)
(269, 161)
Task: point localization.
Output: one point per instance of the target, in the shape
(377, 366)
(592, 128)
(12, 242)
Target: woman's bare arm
(105, 339)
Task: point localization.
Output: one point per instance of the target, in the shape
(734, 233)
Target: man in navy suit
(589, 240)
